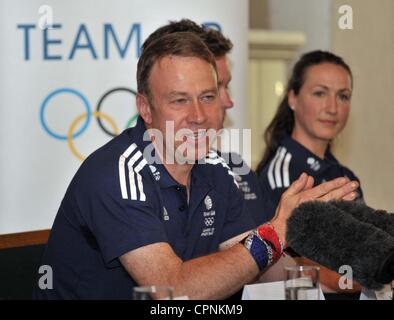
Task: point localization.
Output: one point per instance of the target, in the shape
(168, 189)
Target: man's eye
(180, 101)
(318, 93)
(208, 98)
(344, 97)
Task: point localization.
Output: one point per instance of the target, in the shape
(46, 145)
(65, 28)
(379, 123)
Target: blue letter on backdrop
(26, 28)
(47, 41)
(109, 32)
(89, 45)
(213, 25)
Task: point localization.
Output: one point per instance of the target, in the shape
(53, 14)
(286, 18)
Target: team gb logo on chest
(209, 218)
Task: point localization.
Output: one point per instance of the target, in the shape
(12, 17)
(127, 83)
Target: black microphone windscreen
(333, 238)
(359, 210)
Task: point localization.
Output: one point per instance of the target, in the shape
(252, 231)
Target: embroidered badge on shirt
(208, 202)
(209, 218)
(245, 188)
(209, 221)
(156, 174)
(313, 163)
(166, 217)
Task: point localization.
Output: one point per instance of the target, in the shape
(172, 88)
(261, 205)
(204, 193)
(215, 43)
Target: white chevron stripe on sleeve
(130, 164)
(270, 173)
(138, 168)
(286, 175)
(122, 174)
(278, 165)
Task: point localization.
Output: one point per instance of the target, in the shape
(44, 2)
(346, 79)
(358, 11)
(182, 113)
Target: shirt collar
(159, 171)
(302, 154)
(137, 134)
(199, 176)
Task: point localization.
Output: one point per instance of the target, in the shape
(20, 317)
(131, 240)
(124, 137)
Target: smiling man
(183, 102)
(221, 47)
(127, 221)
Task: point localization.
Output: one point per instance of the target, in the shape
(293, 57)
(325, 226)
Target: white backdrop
(49, 78)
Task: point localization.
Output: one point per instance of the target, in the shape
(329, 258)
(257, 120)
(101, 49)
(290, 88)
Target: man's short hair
(182, 44)
(215, 40)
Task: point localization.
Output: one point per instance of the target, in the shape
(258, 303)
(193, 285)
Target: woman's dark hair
(283, 122)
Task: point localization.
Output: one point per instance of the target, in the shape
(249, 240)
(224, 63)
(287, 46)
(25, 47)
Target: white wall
(312, 17)
(366, 144)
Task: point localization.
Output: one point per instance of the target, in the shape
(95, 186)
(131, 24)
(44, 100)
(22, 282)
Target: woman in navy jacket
(313, 112)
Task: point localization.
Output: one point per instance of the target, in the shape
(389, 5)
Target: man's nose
(225, 99)
(197, 114)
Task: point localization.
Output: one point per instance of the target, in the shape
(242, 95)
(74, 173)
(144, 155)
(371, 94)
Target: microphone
(332, 237)
(359, 210)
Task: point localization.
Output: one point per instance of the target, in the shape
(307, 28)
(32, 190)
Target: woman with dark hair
(313, 111)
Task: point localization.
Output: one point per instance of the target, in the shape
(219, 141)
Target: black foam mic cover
(359, 210)
(332, 237)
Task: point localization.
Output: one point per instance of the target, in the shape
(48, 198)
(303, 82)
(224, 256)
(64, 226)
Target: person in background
(313, 111)
(221, 47)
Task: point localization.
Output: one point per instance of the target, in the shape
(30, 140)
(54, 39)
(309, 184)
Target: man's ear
(144, 108)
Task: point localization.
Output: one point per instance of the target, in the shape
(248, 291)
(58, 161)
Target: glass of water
(153, 292)
(302, 283)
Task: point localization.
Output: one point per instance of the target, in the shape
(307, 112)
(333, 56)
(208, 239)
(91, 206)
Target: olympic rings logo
(86, 117)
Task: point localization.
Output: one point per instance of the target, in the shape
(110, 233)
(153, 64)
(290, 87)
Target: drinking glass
(302, 283)
(148, 292)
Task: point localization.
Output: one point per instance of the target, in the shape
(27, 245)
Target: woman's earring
(292, 108)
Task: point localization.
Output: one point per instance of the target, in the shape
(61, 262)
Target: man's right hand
(302, 190)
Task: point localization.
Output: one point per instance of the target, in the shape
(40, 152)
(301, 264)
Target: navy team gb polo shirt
(118, 202)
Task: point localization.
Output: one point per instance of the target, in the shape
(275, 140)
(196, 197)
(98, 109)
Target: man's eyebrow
(174, 94)
(177, 93)
(212, 90)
